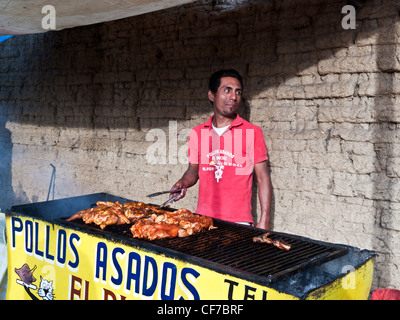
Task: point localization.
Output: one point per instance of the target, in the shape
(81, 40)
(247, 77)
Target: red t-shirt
(226, 165)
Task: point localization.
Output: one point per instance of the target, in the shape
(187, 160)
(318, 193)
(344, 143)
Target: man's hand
(177, 186)
(263, 224)
(188, 179)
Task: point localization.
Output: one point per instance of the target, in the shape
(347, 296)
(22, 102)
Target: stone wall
(110, 107)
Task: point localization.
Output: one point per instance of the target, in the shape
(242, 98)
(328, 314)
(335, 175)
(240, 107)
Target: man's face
(227, 98)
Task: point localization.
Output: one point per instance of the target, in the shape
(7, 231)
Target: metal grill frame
(217, 249)
(213, 250)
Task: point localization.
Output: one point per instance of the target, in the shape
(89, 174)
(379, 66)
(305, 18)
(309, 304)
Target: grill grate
(231, 246)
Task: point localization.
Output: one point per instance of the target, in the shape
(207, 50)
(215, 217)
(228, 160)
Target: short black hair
(215, 80)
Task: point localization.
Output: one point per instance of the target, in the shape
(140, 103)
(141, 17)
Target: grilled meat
(80, 214)
(282, 245)
(187, 221)
(149, 222)
(179, 223)
(137, 210)
(279, 243)
(106, 213)
(148, 229)
(263, 238)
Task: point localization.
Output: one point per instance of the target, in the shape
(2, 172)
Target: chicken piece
(150, 222)
(141, 227)
(195, 224)
(148, 229)
(108, 204)
(80, 214)
(183, 212)
(182, 233)
(283, 245)
(134, 205)
(263, 238)
(134, 210)
(110, 215)
(279, 243)
(186, 220)
(168, 217)
(155, 210)
(104, 218)
(106, 213)
(88, 216)
(122, 218)
(174, 217)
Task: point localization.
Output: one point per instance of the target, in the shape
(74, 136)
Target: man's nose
(233, 96)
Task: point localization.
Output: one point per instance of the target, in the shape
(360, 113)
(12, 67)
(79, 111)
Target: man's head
(225, 92)
(215, 80)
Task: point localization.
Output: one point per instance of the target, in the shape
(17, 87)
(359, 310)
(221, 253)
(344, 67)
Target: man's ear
(211, 96)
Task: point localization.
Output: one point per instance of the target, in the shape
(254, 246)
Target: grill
(227, 250)
(230, 247)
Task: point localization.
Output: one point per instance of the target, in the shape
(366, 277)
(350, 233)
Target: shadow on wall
(6, 191)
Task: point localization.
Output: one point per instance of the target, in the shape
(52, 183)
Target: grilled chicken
(279, 243)
(137, 210)
(80, 214)
(148, 229)
(179, 223)
(187, 221)
(149, 222)
(106, 213)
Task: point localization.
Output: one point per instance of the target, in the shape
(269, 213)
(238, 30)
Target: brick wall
(110, 106)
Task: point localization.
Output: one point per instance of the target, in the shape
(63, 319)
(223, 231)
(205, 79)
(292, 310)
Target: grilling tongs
(162, 192)
(169, 201)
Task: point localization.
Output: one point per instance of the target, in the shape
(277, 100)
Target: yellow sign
(49, 262)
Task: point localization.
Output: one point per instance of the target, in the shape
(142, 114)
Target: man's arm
(188, 179)
(264, 193)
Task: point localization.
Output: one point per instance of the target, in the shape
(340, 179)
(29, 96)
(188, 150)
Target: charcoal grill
(231, 247)
(228, 249)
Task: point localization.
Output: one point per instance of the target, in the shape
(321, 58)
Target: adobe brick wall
(93, 101)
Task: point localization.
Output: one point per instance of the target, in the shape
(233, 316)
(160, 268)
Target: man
(223, 153)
